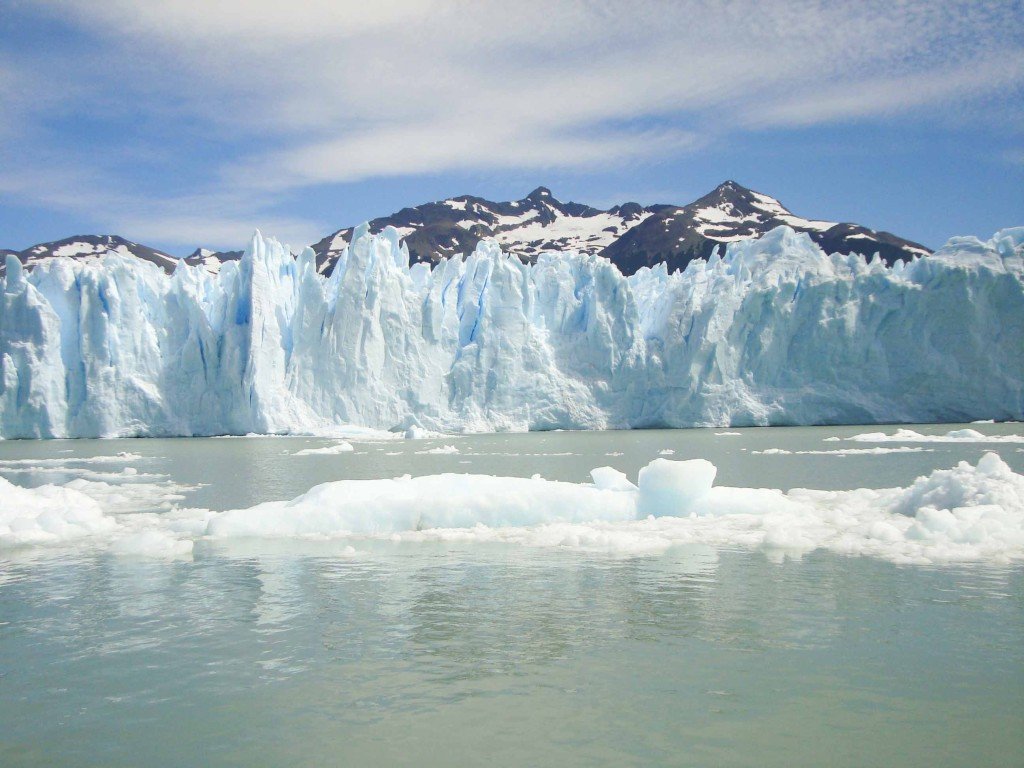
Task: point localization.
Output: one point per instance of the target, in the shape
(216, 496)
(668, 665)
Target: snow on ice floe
(118, 458)
(953, 436)
(376, 507)
(728, 434)
(969, 513)
(80, 509)
(126, 474)
(441, 450)
(526, 453)
(841, 451)
(327, 450)
(48, 514)
(611, 479)
(98, 501)
(116, 347)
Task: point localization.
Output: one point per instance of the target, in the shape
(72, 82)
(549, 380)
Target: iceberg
(48, 514)
(953, 436)
(329, 450)
(775, 331)
(968, 513)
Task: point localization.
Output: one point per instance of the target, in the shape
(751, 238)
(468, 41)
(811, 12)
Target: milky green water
(274, 653)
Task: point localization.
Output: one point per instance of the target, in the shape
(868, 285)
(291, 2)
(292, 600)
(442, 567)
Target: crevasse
(773, 332)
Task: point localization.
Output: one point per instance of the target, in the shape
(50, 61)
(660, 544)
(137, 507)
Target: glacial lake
(278, 652)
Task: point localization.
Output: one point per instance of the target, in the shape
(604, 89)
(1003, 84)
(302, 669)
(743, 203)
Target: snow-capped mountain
(90, 247)
(630, 235)
(211, 260)
(730, 212)
(526, 228)
(86, 247)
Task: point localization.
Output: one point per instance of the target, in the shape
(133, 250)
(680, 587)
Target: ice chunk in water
(671, 487)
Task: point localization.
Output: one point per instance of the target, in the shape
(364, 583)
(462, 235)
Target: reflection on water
(460, 653)
(689, 658)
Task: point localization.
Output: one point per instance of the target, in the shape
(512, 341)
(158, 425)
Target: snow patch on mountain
(630, 235)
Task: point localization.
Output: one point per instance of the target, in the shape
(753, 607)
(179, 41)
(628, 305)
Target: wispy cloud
(219, 217)
(312, 93)
(994, 73)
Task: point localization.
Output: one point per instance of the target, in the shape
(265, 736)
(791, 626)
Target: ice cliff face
(776, 332)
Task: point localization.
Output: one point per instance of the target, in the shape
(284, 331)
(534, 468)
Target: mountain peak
(741, 201)
(731, 190)
(94, 247)
(630, 235)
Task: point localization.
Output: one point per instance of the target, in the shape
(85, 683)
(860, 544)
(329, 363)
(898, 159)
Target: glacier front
(774, 332)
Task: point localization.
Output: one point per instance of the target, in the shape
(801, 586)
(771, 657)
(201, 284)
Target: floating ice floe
(48, 514)
(953, 436)
(127, 474)
(841, 451)
(66, 461)
(967, 513)
(328, 450)
(529, 453)
(441, 450)
(94, 502)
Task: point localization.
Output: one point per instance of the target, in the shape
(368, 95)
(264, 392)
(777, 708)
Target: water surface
(440, 653)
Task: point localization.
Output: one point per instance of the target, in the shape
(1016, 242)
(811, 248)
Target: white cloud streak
(321, 92)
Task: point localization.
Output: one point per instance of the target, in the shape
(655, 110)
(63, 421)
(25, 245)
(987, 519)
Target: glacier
(773, 331)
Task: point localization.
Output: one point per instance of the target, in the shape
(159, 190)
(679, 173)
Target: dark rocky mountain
(631, 235)
(526, 227)
(730, 212)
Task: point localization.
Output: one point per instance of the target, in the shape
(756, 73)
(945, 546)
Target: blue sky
(178, 124)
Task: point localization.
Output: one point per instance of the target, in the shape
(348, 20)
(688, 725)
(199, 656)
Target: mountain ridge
(630, 235)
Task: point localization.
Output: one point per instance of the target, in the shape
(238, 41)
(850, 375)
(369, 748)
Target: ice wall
(774, 332)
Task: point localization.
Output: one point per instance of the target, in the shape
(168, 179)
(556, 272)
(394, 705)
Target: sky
(186, 123)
